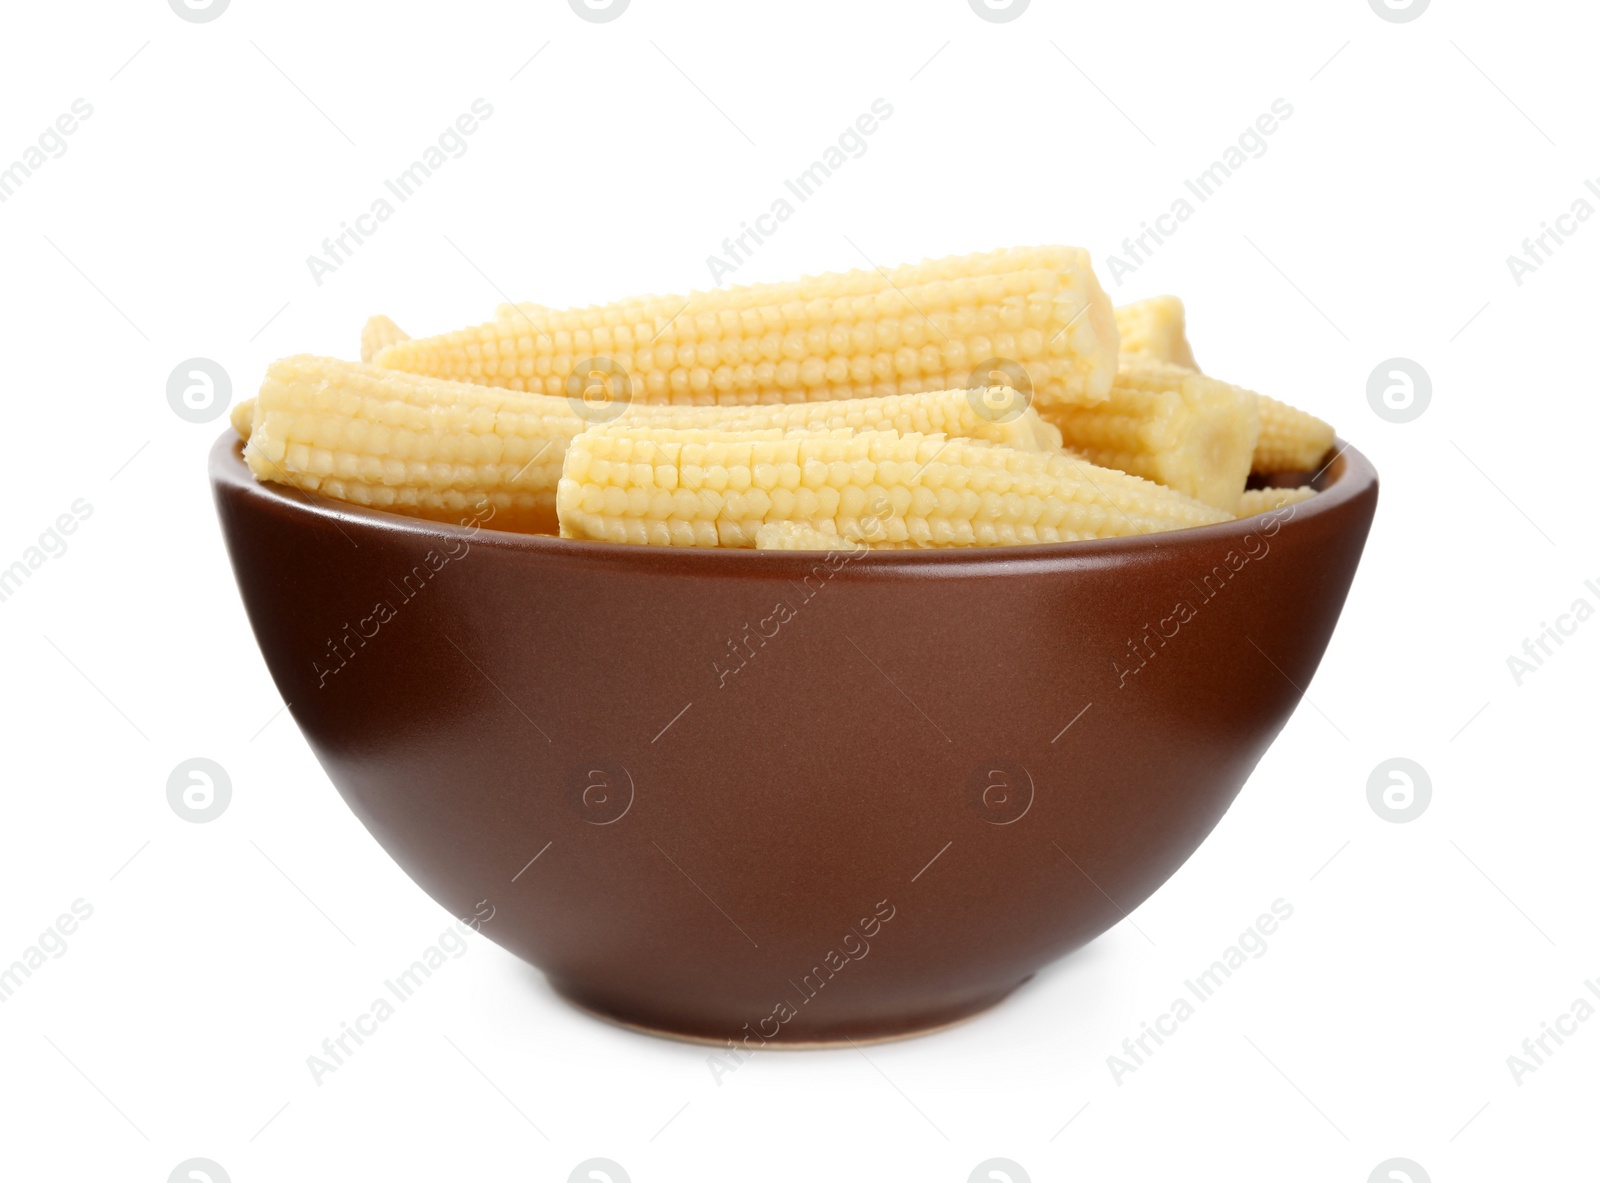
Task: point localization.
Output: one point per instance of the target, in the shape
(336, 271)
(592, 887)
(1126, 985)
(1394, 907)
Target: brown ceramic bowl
(766, 797)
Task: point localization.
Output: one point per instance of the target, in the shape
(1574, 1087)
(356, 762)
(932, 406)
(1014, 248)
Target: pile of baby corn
(986, 400)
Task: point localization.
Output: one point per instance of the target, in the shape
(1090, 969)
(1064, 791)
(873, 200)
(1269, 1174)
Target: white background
(177, 224)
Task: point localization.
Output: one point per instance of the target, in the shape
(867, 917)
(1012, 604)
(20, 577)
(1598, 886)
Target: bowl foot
(844, 1034)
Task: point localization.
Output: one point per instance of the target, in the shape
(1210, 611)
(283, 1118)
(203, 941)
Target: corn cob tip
(409, 444)
(1155, 328)
(1254, 501)
(1291, 440)
(1171, 425)
(377, 334)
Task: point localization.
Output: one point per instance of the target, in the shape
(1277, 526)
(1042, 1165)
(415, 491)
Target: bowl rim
(1343, 479)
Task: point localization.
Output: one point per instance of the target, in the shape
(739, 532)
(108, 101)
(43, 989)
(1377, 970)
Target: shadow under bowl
(787, 798)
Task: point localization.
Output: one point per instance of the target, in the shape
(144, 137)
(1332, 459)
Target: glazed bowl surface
(787, 798)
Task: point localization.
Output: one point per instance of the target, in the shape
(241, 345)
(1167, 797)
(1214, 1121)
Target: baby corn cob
(926, 326)
(410, 444)
(377, 334)
(996, 414)
(1170, 425)
(633, 483)
(1291, 440)
(1154, 329)
(800, 536)
(1254, 501)
(240, 416)
(396, 441)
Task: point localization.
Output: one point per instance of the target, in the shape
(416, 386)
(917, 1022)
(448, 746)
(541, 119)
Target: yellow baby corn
(996, 414)
(240, 416)
(1254, 501)
(1170, 425)
(926, 326)
(1291, 440)
(1154, 329)
(411, 444)
(633, 483)
(800, 536)
(377, 334)
(357, 437)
